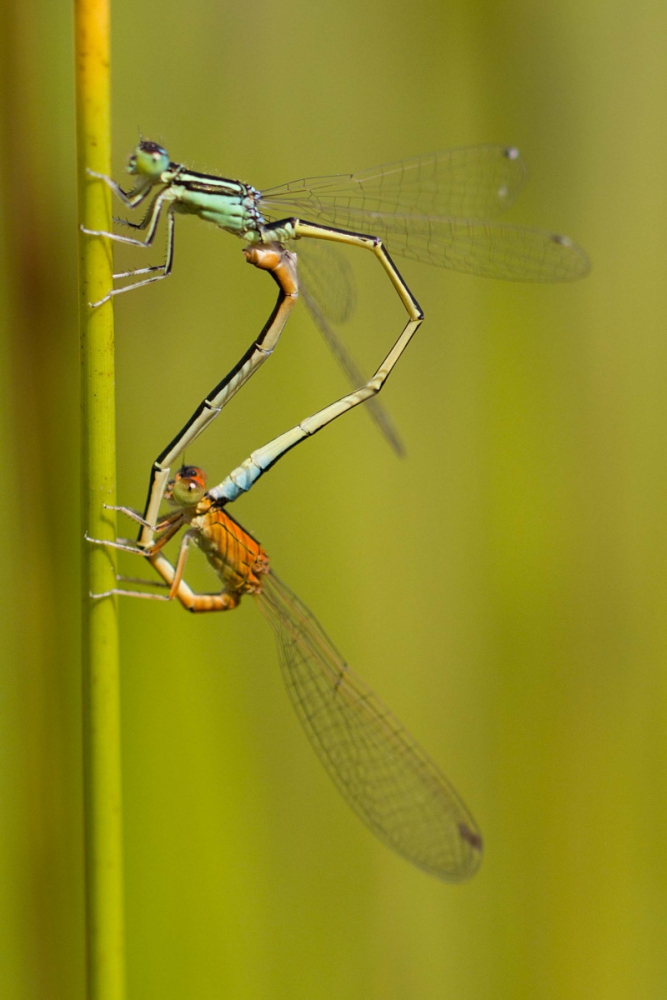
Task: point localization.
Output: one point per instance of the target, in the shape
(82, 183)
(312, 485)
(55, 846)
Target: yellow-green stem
(101, 723)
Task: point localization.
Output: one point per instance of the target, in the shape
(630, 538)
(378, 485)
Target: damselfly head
(148, 159)
(187, 487)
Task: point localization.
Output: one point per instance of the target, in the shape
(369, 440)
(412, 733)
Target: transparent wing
(475, 182)
(490, 249)
(326, 286)
(379, 769)
(433, 209)
(493, 250)
(372, 406)
(329, 278)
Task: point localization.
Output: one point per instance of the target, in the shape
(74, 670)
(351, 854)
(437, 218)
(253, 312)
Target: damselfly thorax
(237, 557)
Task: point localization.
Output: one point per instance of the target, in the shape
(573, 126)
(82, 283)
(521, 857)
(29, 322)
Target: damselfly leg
(150, 222)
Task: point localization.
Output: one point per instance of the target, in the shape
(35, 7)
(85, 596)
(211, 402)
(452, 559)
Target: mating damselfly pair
(379, 768)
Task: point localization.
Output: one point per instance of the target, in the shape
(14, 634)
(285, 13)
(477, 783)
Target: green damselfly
(434, 209)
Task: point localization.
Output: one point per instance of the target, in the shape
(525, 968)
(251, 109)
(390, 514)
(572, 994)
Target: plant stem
(101, 722)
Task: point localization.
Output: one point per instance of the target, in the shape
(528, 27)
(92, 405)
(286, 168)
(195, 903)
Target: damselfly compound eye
(189, 486)
(149, 159)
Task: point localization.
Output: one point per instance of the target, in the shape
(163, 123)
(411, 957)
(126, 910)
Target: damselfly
(377, 766)
(434, 209)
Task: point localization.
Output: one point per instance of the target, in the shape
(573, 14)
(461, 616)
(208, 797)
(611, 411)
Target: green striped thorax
(226, 203)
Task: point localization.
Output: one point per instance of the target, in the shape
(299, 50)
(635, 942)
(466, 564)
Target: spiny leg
(132, 225)
(166, 530)
(154, 212)
(165, 268)
(145, 270)
(176, 574)
(120, 592)
(131, 199)
(147, 219)
(136, 270)
(281, 265)
(118, 544)
(178, 588)
(130, 512)
(126, 547)
(134, 515)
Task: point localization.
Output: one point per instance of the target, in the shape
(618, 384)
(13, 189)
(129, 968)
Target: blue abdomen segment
(242, 478)
(237, 482)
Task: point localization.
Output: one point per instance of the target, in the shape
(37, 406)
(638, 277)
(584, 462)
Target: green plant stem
(101, 722)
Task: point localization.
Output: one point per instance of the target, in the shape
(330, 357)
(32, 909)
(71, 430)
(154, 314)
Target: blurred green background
(503, 588)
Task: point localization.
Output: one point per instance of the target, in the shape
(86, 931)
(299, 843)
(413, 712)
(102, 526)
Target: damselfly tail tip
(470, 836)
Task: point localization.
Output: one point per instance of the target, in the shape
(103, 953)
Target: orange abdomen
(234, 554)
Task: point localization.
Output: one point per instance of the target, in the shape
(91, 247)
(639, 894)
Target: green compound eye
(148, 159)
